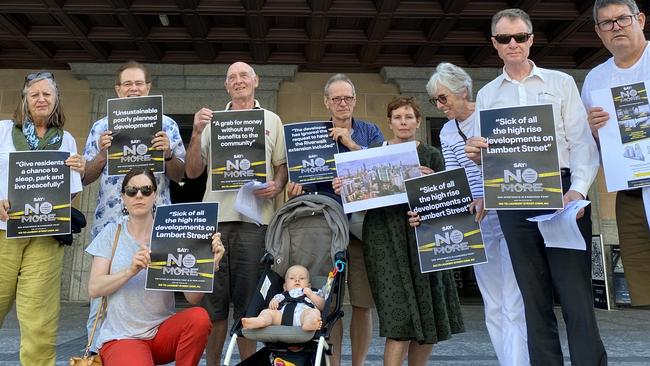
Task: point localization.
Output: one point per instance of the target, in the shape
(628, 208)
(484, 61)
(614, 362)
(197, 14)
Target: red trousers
(180, 338)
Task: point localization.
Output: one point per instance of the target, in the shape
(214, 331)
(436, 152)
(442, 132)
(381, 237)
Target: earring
(153, 209)
(125, 212)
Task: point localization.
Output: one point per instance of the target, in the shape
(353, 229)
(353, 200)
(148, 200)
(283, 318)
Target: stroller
(310, 230)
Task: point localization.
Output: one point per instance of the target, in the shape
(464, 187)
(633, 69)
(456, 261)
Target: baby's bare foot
(253, 323)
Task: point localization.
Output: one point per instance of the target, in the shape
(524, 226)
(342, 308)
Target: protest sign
(375, 177)
(625, 138)
(447, 237)
(238, 148)
(181, 247)
(134, 122)
(521, 165)
(310, 152)
(39, 193)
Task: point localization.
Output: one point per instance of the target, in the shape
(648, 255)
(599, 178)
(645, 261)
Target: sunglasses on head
(132, 191)
(505, 38)
(39, 75)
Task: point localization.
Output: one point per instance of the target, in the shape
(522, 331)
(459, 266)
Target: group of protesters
(520, 283)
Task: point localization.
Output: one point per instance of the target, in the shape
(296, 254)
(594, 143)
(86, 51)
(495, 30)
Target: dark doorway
(189, 190)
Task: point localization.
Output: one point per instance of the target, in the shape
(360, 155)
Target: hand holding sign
(140, 260)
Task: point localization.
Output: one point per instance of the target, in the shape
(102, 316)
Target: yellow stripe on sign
(158, 263)
(492, 181)
(210, 260)
(553, 190)
(258, 163)
(494, 185)
(208, 275)
(549, 174)
(477, 246)
(470, 233)
(428, 246)
(155, 267)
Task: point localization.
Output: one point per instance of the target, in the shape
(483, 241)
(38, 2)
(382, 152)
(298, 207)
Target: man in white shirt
(240, 268)
(619, 24)
(545, 274)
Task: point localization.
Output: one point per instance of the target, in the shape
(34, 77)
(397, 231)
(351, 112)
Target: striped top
(453, 150)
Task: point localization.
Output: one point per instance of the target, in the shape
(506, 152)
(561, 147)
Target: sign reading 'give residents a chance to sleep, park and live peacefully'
(39, 192)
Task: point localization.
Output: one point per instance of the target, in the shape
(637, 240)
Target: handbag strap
(102, 308)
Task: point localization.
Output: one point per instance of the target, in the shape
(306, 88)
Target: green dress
(411, 305)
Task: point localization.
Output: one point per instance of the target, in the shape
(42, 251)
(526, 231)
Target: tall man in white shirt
(619, 24)
(239, 269)
(547, 273)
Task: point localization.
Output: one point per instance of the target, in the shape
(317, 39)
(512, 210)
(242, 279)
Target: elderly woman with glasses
(140, 326)
(450, 89)
(30, 270)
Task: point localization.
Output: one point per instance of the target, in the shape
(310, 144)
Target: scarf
(25, 138)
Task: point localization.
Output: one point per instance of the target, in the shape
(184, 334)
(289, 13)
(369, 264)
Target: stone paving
(625, 332)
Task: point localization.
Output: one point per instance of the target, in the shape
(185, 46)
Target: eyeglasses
(139, 83)
(440, 98)
(338, 100)
(131, 191)
(505, 38)
(39, 75)
(622, 21)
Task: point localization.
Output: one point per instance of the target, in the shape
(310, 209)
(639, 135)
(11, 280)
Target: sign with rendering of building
(375, 177)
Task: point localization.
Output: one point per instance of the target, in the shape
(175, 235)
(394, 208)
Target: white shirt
(607, 75)
(68, 144)
(576, 148)
(453, 150)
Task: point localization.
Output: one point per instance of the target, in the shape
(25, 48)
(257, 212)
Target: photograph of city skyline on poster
(375, 177)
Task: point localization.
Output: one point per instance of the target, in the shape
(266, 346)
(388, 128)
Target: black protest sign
(310, 152)
(521, 167)
(39, 194)
(181, 247)
(134, 122)
(447, 237)
(237, 148)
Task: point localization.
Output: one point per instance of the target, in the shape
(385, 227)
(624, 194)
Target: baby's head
(296, 277)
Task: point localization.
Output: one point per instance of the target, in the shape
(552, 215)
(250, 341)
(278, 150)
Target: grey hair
(511, 14)
(599, 4)
(250, 69)
(335, 78)
(451, 77)
(56, 118)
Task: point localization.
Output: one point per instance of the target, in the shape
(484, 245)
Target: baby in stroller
(297, 298)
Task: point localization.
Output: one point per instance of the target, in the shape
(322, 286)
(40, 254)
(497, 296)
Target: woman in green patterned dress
(415, 310)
